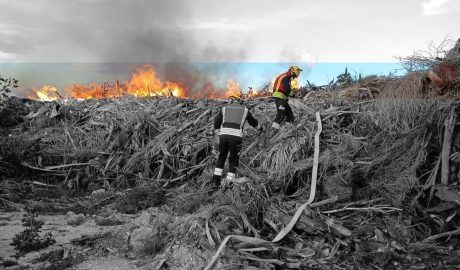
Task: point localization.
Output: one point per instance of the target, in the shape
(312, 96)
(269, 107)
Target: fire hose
(298, 213)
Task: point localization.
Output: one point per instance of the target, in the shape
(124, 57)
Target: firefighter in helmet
(285, 85)
(229, 125)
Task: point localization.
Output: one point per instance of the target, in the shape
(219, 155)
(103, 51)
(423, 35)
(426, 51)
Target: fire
(295, 84)
(47, 93)
(92, 90)
(175, 89)
(144, 82)
(233, 89)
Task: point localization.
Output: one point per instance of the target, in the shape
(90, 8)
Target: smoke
(200, 79)
(133, 31)
(298, 57)
(108, 31)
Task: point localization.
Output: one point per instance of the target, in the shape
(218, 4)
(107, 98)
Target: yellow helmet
(295, 70)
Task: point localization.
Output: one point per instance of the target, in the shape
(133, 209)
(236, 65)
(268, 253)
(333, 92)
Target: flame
(47, 93)
(295, 84)
(176, 90)
(92, 90)
(144, 83)
(233, 89)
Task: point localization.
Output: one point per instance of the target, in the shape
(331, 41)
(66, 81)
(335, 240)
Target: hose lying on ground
(288, 228)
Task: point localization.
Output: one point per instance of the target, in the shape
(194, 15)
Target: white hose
(297, 214)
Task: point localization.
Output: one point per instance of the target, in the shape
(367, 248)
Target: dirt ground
(105, 240)
(57, 224)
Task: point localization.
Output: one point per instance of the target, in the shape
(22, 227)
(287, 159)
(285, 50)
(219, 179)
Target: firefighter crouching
(229, 125)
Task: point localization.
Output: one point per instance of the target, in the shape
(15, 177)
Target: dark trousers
(226, 146)
(283, 111)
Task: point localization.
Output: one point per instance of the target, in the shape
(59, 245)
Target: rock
(139, 237)
(75, 220)
(99, 191)
(110, 219)
(145, 219)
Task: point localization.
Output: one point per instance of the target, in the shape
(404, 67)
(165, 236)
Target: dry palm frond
(408, 87)
(402, 115)
(394, 171)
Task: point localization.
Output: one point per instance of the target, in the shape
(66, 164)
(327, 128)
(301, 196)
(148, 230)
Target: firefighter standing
(283, 88)
(229, 125)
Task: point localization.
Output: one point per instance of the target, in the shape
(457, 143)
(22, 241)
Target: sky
(305, 32)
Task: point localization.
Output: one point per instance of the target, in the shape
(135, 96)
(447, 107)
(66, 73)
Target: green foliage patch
(30, 239)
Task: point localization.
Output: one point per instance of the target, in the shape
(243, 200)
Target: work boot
(216, 181)
(230, 176)
(228, 181)
(226, 185)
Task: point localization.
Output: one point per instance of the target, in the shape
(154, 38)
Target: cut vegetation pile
(378, 195)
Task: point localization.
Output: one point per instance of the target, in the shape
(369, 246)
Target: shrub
(5, 84)
(30, 239)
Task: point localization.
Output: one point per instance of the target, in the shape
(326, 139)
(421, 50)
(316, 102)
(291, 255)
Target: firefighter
(229, 125)
(284, 86)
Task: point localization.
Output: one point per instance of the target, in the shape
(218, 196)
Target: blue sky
(318, 74)
(258, 74)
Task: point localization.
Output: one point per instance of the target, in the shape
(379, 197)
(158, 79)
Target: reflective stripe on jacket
(233, 118)
(282, 84)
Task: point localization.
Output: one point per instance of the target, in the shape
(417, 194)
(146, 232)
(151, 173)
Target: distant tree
(423, 60)
(5, 85)
(345, 78)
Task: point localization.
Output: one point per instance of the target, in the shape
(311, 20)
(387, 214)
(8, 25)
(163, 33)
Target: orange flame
(143, 83)
(92, 90)
(233, 89)
(46, 93)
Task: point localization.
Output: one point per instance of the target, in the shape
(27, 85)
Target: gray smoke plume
(105, 31)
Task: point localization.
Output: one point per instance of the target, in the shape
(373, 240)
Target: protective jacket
(231, 119)
(282, 86)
